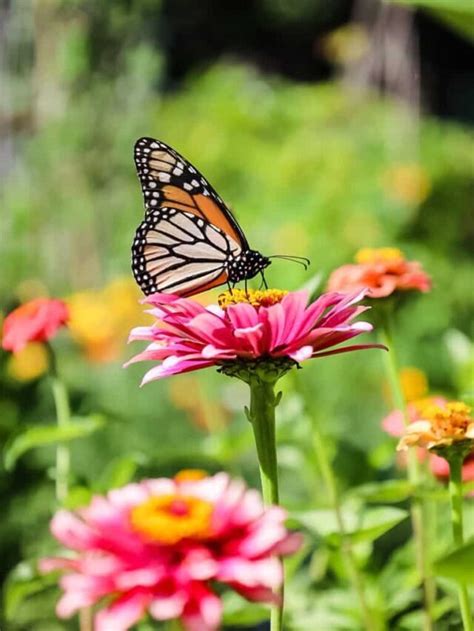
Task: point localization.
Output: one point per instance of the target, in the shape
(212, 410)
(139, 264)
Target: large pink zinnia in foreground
(248, 326)
(155, 546)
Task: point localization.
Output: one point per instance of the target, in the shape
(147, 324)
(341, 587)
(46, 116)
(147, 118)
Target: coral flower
(441, 426)
(394, 425)
(383, 271)
(272, 326)
(155, 546)
(35, 321)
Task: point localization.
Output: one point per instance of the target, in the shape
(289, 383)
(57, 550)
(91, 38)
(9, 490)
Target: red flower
(35, 321)
(383, 271)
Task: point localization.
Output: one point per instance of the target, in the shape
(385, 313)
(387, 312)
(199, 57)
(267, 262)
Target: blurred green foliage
(311, 170)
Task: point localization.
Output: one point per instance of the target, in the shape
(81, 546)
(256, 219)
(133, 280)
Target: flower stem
(63, 417)
(346, 547)
(456, 493)
(263, 402)
(418, 507)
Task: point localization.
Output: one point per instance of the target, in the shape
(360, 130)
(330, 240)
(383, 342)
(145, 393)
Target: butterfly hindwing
(179, 252)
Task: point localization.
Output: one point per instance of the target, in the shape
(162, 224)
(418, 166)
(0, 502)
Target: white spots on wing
(155, 145)
(152, 184)
(164, 177)
(153, 202)
(177, 171)
(194, 183)
(187, 186)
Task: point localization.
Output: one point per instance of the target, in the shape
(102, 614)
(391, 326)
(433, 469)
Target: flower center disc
(168, 519)
(254, 297)
(378, 255)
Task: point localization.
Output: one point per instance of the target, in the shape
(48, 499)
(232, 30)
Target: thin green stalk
(63, 417)
(456, 493)
(418, 507)
(263, 402)
(331, 485)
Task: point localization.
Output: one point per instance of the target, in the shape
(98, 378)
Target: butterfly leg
(230, 287)
(264, 281)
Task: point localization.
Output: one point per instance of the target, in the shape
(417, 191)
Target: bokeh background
(327, 125)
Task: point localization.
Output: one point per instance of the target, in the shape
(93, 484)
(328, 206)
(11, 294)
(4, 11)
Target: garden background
(327, 126)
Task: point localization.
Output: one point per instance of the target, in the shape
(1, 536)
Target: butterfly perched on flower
(189, 240)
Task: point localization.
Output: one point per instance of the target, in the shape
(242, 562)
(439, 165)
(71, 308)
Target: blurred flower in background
(29, 363)
(394, 425)
(100, 320)
(35, 321)
(407, 183)
(205, 412)
(440, 425)
(155, 546)
(383, 271)
(345, 45)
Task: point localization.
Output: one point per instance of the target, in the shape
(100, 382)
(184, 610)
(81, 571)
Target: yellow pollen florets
(168, 519)
(254, 297)
(440, 426)
(377, 255)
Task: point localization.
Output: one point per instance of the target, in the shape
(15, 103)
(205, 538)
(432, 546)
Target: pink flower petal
(122, 613)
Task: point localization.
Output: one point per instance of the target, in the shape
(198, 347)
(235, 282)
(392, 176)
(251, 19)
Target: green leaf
(239, 612)
(40, 436)
(387, 491)
(22, 582)
(457, 14)
(458, 564)
(367, 525)
(119, 472)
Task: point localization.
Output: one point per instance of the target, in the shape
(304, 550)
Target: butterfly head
(247, 265)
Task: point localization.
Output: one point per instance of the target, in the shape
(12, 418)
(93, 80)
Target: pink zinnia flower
(394, 425)
(35, 321)
(155, 546)
(250, 326)
(383, 271)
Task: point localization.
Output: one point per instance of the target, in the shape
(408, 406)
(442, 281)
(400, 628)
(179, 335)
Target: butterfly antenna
(301, 260)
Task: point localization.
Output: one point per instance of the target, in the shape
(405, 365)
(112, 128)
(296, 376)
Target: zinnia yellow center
(254, 297)
(168, 519)
(377, 255)
(452, 421)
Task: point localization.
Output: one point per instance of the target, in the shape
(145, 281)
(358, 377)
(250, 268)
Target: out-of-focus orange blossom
(100, 320)
(407, 183)
(29, 363)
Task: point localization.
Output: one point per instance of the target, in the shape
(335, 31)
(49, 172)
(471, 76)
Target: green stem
(63, 417)
(456, 493)
(263, 402)
(346, 547)
(418, 507)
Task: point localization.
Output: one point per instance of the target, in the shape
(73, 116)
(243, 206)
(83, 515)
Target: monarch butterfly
(189, 240)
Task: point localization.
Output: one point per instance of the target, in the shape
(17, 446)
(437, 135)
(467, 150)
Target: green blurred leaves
(40, 436)
(458, 564)
(360, 526)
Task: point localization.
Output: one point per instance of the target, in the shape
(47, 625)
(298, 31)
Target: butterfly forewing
(168, 178)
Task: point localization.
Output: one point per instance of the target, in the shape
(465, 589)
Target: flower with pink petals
(394, 425)
(155, 547)
(272, 328)
(383, 271)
